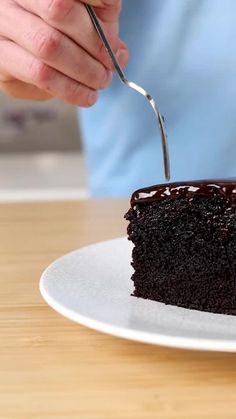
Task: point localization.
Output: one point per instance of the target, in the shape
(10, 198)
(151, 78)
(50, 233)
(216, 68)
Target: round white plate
(92, 286)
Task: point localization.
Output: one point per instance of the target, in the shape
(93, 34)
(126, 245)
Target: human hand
(50, 48)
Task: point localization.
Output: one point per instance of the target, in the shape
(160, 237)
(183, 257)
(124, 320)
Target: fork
(135, 87)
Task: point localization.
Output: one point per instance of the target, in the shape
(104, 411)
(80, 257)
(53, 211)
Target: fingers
(53, 48)
(71, 18)
(50, 48)
(16, 63)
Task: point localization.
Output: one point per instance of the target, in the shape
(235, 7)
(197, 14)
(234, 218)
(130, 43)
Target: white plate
(92, 286)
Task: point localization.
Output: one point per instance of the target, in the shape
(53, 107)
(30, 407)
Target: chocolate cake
(184, 237)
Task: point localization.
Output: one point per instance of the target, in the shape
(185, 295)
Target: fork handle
(105, 41)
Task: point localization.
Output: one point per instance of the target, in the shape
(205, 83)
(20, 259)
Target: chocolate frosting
(226, 188)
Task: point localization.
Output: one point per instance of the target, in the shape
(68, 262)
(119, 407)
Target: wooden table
(53, 368)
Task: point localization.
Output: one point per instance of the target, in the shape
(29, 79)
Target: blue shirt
(184, 54)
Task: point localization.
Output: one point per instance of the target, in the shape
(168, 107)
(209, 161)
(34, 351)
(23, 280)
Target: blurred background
(40, 151)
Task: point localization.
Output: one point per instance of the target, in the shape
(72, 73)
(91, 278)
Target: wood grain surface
(51, 368)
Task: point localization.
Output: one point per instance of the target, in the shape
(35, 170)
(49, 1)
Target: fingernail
(122, 56)
(92, 98)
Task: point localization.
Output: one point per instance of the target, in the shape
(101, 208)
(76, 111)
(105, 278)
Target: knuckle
(57, 10)
(46, 43)
(39, 72)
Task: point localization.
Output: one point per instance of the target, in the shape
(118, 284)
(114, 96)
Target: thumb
(108, 12)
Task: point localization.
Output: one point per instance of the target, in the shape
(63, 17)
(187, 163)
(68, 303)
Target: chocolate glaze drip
(226, 188)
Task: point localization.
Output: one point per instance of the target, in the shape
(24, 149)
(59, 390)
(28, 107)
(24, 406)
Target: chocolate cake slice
(184, 237)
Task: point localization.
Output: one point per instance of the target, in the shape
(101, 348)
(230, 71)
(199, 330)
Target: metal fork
(135, 87)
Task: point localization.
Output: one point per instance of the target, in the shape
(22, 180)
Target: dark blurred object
(37, 126)
(21, 119)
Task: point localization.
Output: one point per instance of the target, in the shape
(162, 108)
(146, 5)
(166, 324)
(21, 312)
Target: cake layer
(185, 244)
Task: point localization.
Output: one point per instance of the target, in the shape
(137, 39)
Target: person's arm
(50, 48)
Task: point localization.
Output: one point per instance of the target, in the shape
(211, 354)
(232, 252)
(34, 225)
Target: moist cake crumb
(184, 237)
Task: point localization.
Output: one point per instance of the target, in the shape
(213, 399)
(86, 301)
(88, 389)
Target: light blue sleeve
(184, 53)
